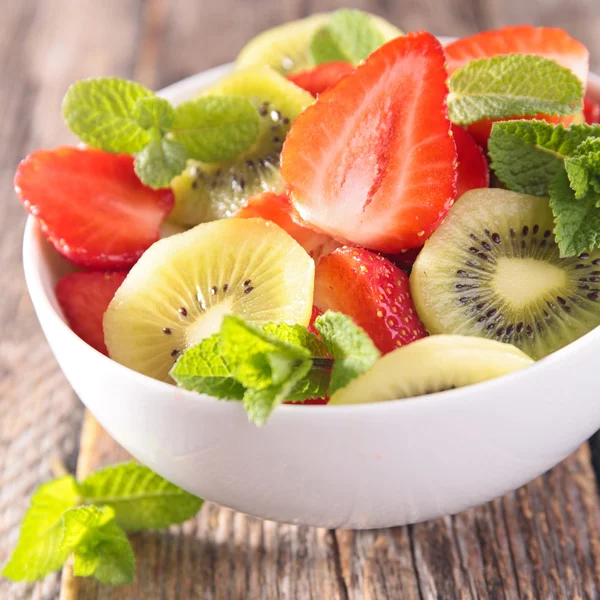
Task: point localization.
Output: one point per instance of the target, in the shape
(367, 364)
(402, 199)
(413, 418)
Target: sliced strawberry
(371, 290)
(405, 259)
(552, 43)
(84, 298)
(371, 162)
(591, 111)
(481, 130)
(91, 205)
(278, 208)
(555, 44)
(322, 77)
(316, 312)
(473, 169)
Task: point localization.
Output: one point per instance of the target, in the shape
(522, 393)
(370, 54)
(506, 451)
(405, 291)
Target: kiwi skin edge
(492, 269)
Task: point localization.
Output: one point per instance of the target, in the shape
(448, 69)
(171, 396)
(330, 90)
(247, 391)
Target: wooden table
(542, 541)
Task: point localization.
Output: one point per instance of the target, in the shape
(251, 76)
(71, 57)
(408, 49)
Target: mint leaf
(102, 113)
(526, 155)
(204, 369)
(216, 128)
(583, 168)
(140, 498)
(350, 36)
(80, 521)
(101, 549)
(259, 360)
(38, 550)
(512, 85)
(298, 336)
(577, 220)
(259, 403)
(160, 161)
(107, 555)
(154, 113)
(352, 349)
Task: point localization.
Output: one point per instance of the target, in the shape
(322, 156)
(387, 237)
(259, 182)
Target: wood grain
(540, 542)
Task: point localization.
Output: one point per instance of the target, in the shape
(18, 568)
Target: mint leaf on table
(140, 498)
(527, 154)
(352, 349)
(216, 128)
(583, 168)
(160, 161)
(38, 551)
(102, 113)
(512, 85)
(153, 112)
(86, 519)
(204, 369)
(100, 547)
(349, 36)
(577, 220)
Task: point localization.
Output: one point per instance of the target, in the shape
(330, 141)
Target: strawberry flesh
(591, 111)
(373, 292)
(84, 298)
(278, 209)
(322, 77)
(473, 169)
(91, 205)
(552, 43)
(372, 162)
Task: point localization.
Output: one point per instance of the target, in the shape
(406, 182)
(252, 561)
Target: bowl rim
(34, 245)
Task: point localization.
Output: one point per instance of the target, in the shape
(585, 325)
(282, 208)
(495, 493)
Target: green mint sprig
(349, 36)
(117, 115)
(535, 157)
(512, 85)
(264, 366)
(526, 155)
(89, 519)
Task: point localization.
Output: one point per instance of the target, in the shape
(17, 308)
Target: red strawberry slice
(322, 77)
(473, 169)
(481, 130)
(371, 162)
(405, 259)
(591, 111)
(313, 317)
(278, 208)
(84, 298)
(552, 43)
(91, 205)
(555, 44)
(371, 290)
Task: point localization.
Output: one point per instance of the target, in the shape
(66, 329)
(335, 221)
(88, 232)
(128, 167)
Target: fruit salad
(357, 214)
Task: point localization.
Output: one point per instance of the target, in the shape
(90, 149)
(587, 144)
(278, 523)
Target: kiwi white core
(521, 281)
(208, 323)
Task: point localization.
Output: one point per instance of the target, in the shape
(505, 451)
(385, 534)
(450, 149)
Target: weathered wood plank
(44, 46)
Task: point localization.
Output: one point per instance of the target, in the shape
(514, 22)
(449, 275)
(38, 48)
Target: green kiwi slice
(206, 192)
(179, 291)
(286, 48)
(493, 269)
(434, 364)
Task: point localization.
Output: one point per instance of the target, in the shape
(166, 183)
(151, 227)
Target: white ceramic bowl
(361, 466)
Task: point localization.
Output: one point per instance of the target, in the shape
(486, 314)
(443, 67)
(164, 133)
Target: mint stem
(323, 363)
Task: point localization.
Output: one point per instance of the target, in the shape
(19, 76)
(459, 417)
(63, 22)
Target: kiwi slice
(433, 364)
(182, 287)
(206, 192)
(285, 48)
(493, 269)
